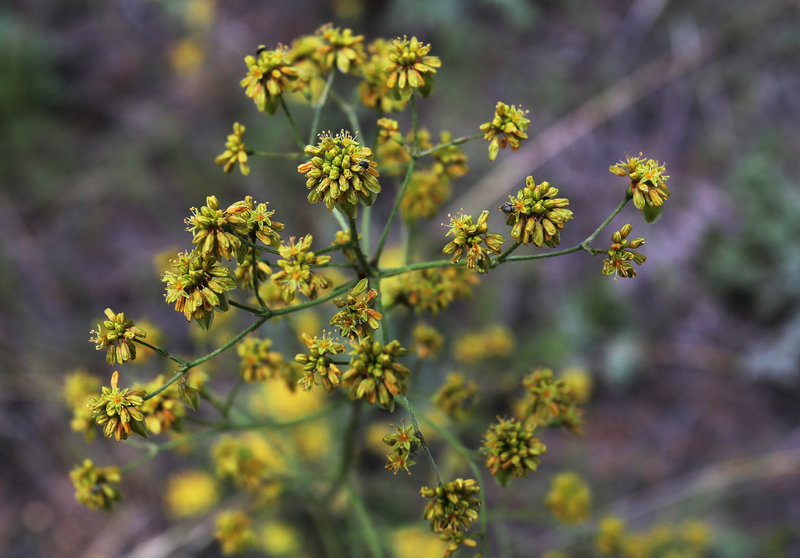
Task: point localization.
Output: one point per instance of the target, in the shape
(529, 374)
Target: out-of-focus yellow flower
(579, 383)
(416, 542)
(199, 13)
(234, 532)
(313, 440)
(696, 534)
(190, 493)
(569, 498)
(187, 55)
(280, 539)
(496, 341)
(278, 401)
(373, 437)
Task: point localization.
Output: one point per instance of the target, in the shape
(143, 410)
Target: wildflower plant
(238, 261)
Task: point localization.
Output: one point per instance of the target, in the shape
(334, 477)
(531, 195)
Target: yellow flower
(569, 498)
(190, 493)
(280, 539)
(416, 542)
(277, 400)
(235, 151)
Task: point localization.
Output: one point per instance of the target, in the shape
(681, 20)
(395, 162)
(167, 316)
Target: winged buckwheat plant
(269, 444)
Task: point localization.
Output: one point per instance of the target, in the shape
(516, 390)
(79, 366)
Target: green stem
(414, 154)
(384, 320)
(288, 114)
(226, 407)
(247, 242)
(293, 155)
(395, 208)
(347, 109)
(245, 307)
(255, 281)
(366, 221)
(323, 526)
(331, 248)
(502, 257)
(368, 529)
(340, 218)
(318, 108)
(456, 141)
(331, 295)
(572, 249)
(589, 239)
(189, 365)
(403, 400)
(389, 272)
(362, 260)
(162, 352)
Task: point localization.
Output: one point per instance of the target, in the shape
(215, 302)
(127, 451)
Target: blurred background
(111, 115)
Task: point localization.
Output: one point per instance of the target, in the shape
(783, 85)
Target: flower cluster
(269, 74)
(119, 411)
(452, 508)
(341, 173)
(689, 539)
(451, 160)
(536, 214)
(609, 536)
(340, 48)
(621, 253)
(494, 342)
(318, 361)
(426, 193)
(569, 498)
(433, 290)
(235, 151)
(198, 285)
(216, 232)
(507, 127)
(511, 450)
(356, 319)
(467, 239)
(92, 485)
(375, 374)
(190, 493)
(549, 401)
(342, 238)
(296, 273)
(427, 340)
(234, 531)
(259, 220)
(258, 363)
(244, 272)
(411, 67)
(116, 335)
(79, 386)
(404, 442)
(373, 90)
(648, 181)
(164, 411)
(248, 460)
(455, 397)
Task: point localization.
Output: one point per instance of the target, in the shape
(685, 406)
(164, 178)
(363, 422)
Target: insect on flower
(363, 163)
(507, 207)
